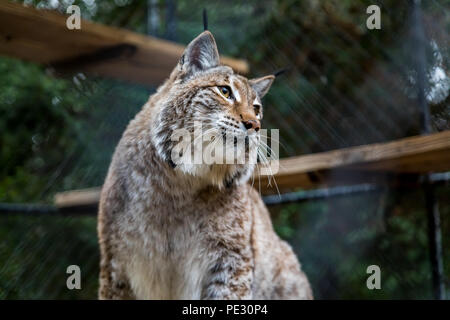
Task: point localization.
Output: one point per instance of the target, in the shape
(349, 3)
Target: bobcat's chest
(172, 267)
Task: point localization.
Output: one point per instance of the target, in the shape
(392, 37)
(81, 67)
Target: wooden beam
(395, 162)
(42, 36)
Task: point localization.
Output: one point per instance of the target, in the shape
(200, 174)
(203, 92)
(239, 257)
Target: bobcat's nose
(252, 124)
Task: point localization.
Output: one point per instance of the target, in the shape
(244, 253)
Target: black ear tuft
(200, 54)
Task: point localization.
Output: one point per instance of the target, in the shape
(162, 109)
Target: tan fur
(198, 231)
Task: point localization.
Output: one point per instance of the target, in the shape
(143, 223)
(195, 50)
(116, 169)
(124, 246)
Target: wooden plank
(42, 36)
(77, 198)
(412, 155)
(399, 161)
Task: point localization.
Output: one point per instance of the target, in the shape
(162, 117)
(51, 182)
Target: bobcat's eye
(225, 91)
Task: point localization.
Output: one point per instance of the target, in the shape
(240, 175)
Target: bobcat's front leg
(230, 277)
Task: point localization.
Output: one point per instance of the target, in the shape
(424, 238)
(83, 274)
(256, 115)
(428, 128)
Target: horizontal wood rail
(396, 162)
(42, 36)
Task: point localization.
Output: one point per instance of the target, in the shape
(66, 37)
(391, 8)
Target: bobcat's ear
(200, 54)
(262, 85)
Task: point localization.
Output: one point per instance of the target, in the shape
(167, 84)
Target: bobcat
(192, 231)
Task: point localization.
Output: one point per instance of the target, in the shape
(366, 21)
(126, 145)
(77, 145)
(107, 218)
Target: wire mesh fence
(346, 86)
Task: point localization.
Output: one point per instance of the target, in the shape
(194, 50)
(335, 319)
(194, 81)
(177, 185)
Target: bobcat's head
(205, 106)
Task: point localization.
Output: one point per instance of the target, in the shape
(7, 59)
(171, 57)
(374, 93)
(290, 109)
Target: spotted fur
(175, 231)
